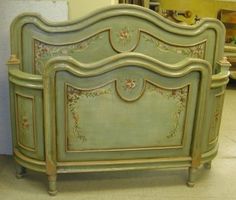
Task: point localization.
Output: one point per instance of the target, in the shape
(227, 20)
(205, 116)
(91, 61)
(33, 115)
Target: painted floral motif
(124, 35)
(73, 97)
(24, 123)
(196, 51)
(180, 96)
(129, 84)
(43, 51)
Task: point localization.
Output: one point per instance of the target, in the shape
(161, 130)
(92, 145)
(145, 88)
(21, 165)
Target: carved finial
(224, 60)
(13, 60)
(224, 64)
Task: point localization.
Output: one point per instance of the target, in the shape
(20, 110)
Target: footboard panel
(124, 111)
(127, 112)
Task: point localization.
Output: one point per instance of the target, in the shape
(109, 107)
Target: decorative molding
(136, 59)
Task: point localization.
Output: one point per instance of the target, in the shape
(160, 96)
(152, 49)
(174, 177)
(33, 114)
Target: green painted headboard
(123, 28)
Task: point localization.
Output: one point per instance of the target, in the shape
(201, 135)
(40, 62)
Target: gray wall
(9, 9)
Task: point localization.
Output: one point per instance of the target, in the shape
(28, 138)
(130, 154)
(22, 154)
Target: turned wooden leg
(191, 176)
(207, 165)
(20, 171)
(52, 184)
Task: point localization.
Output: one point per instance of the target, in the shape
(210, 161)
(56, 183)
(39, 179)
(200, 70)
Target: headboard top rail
(110, 31)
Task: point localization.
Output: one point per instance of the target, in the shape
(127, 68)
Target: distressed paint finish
(112, 97)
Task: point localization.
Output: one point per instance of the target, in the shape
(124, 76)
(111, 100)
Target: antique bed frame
(120, 89)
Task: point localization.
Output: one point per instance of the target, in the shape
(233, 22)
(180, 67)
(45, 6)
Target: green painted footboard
(120, 89)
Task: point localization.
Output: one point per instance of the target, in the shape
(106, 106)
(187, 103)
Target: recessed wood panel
(25, 118)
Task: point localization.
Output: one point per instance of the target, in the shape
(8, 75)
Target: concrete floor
(219, 183)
